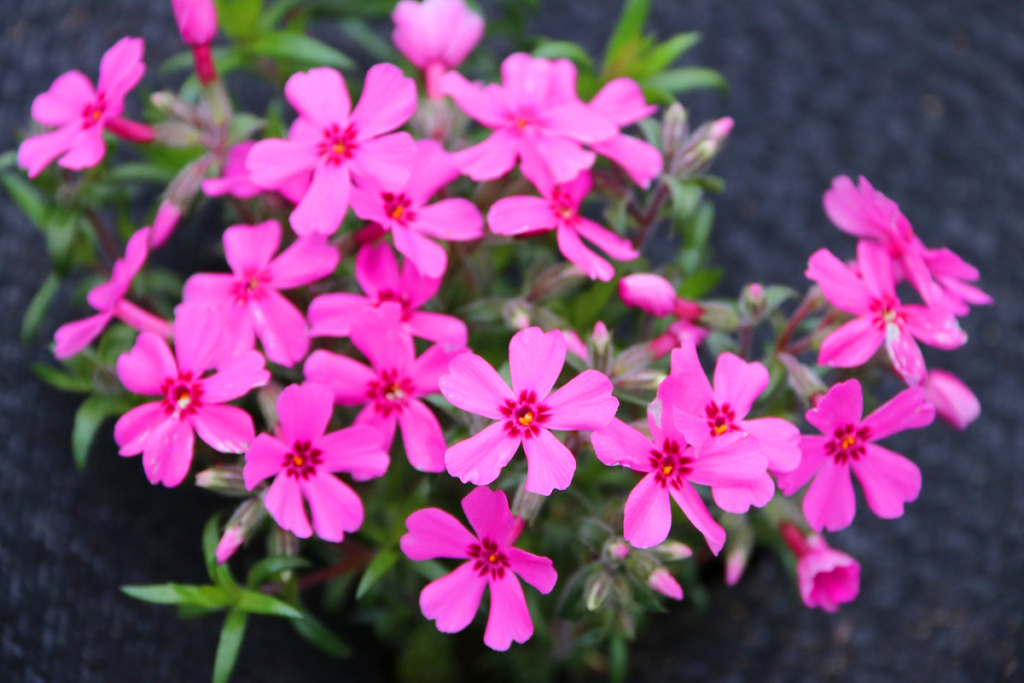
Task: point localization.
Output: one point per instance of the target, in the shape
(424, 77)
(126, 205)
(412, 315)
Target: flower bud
(672, 551)
(196, 19)
(242, 524)
(555, 280)
(676, 334)
(663, 582)
(526, 505)
(753, 302)
(617, 549)
(596, 590)
(802, 379)
(649, 292)
(674, 129)
(224, 479)
(826, 577)
(954, 402)
(575, 345)
(166, 220)
(720, 316)
(176, 134)
(517, 313)
(738, 547)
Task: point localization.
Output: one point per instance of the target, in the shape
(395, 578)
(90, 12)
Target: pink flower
(377, 272)
(663, 582)
(390, 390)
(889, 480)
(336, 143)
(706, 413)
(164, 431)
(655, 295)
(952, 288)
(490, 561)
(108, 299)
(234, 179)
(954, 402)
(301, 458)
(196, 19)
(880, 316)
(558, 209)
(826, 577)
(435, 35)
(80, 113)
(536, 117)
(526, 413)
(166, 220)
(678, 334)
(622, 102)
(249, 299)
(401, 208)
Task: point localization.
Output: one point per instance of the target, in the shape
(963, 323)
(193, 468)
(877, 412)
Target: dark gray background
(924, 97)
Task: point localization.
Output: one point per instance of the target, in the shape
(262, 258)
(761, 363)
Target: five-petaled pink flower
(302, 457)
(401, 208)
(108, 299)
(377, 272)
(526, 413)
(558, 209)
(392, 388)
(337, 143)
(880, 316)
(249, 299)
(80, 113)
(826, 577)
(490, 561)
(435, 35)
(706, 413)
(847, 441)
(192, 402)
(536, 117)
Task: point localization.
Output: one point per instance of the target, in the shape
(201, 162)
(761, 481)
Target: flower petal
(480, 458)
(889, 480)
(280, 327)
(490, 159)
(693, 507)
(648, 514)
(319, 95)
(167, 456)
(335, 506)
(132, 430)
(584, 402)
(422, 436)
(284, 503)
(224, 428)
(144, 369)
(452, 600)
(306, 260)
(438, 327)
(829, 502)
(519, 215)
(535, 570)
(387, 101)
(72, 337)
(838, 283)
(348, 378)
(471, 384)
(535, 359)
(619, 444)
(739, 383)
(509, 618)
(434, 533)
(572, 248)
(429, 257)
(842, 404)
(331, 315)
(65, 101)
(489, 515)
(549, 464)
(236, 378)
(613, 244)
(264, 459)
(324, 205)
(812, 456)
(249, 248)
(853, 344)
(358, 450)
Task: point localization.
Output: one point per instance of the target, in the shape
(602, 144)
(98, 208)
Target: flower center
(337, 145)
(302, 461)
(887, 311)
(847, 443)
(489, 558)
(93, 111)
(524, 416)
(390, 391)
(670, 465)
(720, 418)
(526, 419)
(396, 206)
(182, 394)
(250, 286)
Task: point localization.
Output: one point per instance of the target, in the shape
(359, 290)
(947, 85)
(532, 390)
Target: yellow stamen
(721, 429)
(298, 460)
(526, 420)
(492, 558)
(397, 212)
(847, 442)
(521, 123)
(667, 470)
(95, 114)
(338, 148)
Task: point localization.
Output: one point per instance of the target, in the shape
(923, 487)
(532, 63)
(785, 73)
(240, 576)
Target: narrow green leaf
(564, 49)
(299, 47)
(38, 306)
(62, 380)
(230, 643)
(272, 566)
(261, 603)
(320, 637)
(239, 19)
(628, 29)
(378, 567)
(219, 573)
(700, 283)
(180, 594)
(686, 79)
(666, 53)
(29, 199)
(88, 418)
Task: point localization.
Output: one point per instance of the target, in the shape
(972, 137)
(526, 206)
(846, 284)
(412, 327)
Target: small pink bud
(720, 129)
(954, 402)
(229, 543)
(674, 551)
(166, 219)
(618, 549)
(826, 577)
(196, 19)
(663, 582)
(649, 292)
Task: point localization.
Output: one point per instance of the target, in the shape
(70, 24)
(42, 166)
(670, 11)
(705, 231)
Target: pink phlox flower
(558, 209)
(302, 459)
(191, 402)
(196, 19)
(526, 413)
(337, 143)
(109, 299)
(826, 577)
(622, 102)
(536, 117)
(249, 298)
(952, 278)
(954, 401)
(391, 388)
(881, 318)
(401, 208)
(848, 442)
(706, 412)
(80, 113)
(662, 581)
(435, 35)
(378, 275)
(234, 178)
(491, 561)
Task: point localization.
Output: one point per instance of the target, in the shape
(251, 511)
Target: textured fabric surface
(923, 97)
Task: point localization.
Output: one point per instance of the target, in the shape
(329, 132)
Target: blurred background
(924, 97)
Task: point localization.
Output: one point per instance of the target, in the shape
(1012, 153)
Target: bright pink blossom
(80, 113)
(249, 298)
(847, 441)
(337, 143)
(558, 209)
(435, 35)
(401, 208)
(654, 294)
(526, 413)
(108, 299)
(490, 561)
(192, 402)
(826, 577)
(622, 102)
(168, 214)
(663, 582)
(880, 316)
(706, 413)
(378, 275)
(391, 388)
(954, 401)
(196, 19)
(234, 179)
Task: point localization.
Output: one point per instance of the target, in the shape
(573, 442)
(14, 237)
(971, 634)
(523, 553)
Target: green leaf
(700, 283)
(299, 47)
(370, 41)
(180, 594)
(378, 567)
(28, 198)
(686, 79)
(272, 566)
(662, 56)
(261, 603)
(62, 380)
(219, 573)
(628, 30)
(563, 49)
(37, 307)
(88, 418)
(230, 642)
(239, 19)
(320, 637)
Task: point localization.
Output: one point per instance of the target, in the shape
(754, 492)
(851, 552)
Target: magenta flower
(234, 179)
(847, 441)
(168, 214)
(954, 401)
(826, 577)
(952, 278)
(622, 102)
(663, 582)
(337, 143)
(164, 431)
(302, 458)
(525, 414)
(108, 299)
(536, 117)
(390, 390)
(558, 209)
(377, 272)
(80, 113)
(249, 299)
(880, 316)
(705, 413)
(655, 295)
(196, 19)
(401, 208)
(435, 35)
(491, 561)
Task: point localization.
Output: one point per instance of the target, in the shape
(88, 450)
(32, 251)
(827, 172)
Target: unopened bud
(517, 314)
(674, 129)
(753, 303)
(663, 582)
(672, 551)
(554, 281)
(738, 548)
(176, 134)
(600, 346)
(802, 379)
(242, 524)
(596, 590)
(617, 549)
(166, 220)
(224, 479)
(639, 381)
(266, 397)
(720, 316)
(526, 505)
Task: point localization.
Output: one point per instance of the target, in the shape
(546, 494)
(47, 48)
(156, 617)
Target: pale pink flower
(880, 316)
(848, 442)
(705, 413)
(558, 209)
(196, 19)
(80, 113)
(826, 577)
(234, 178)
(378, 275)
(401, 208)
(622, 102)
(192, 402)
(526, 413)
(109, 299)
(954, 402)
(435, 35)
(392, 387)
(490, 561)
(249, 298)
(337, 143)
(662, 581)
